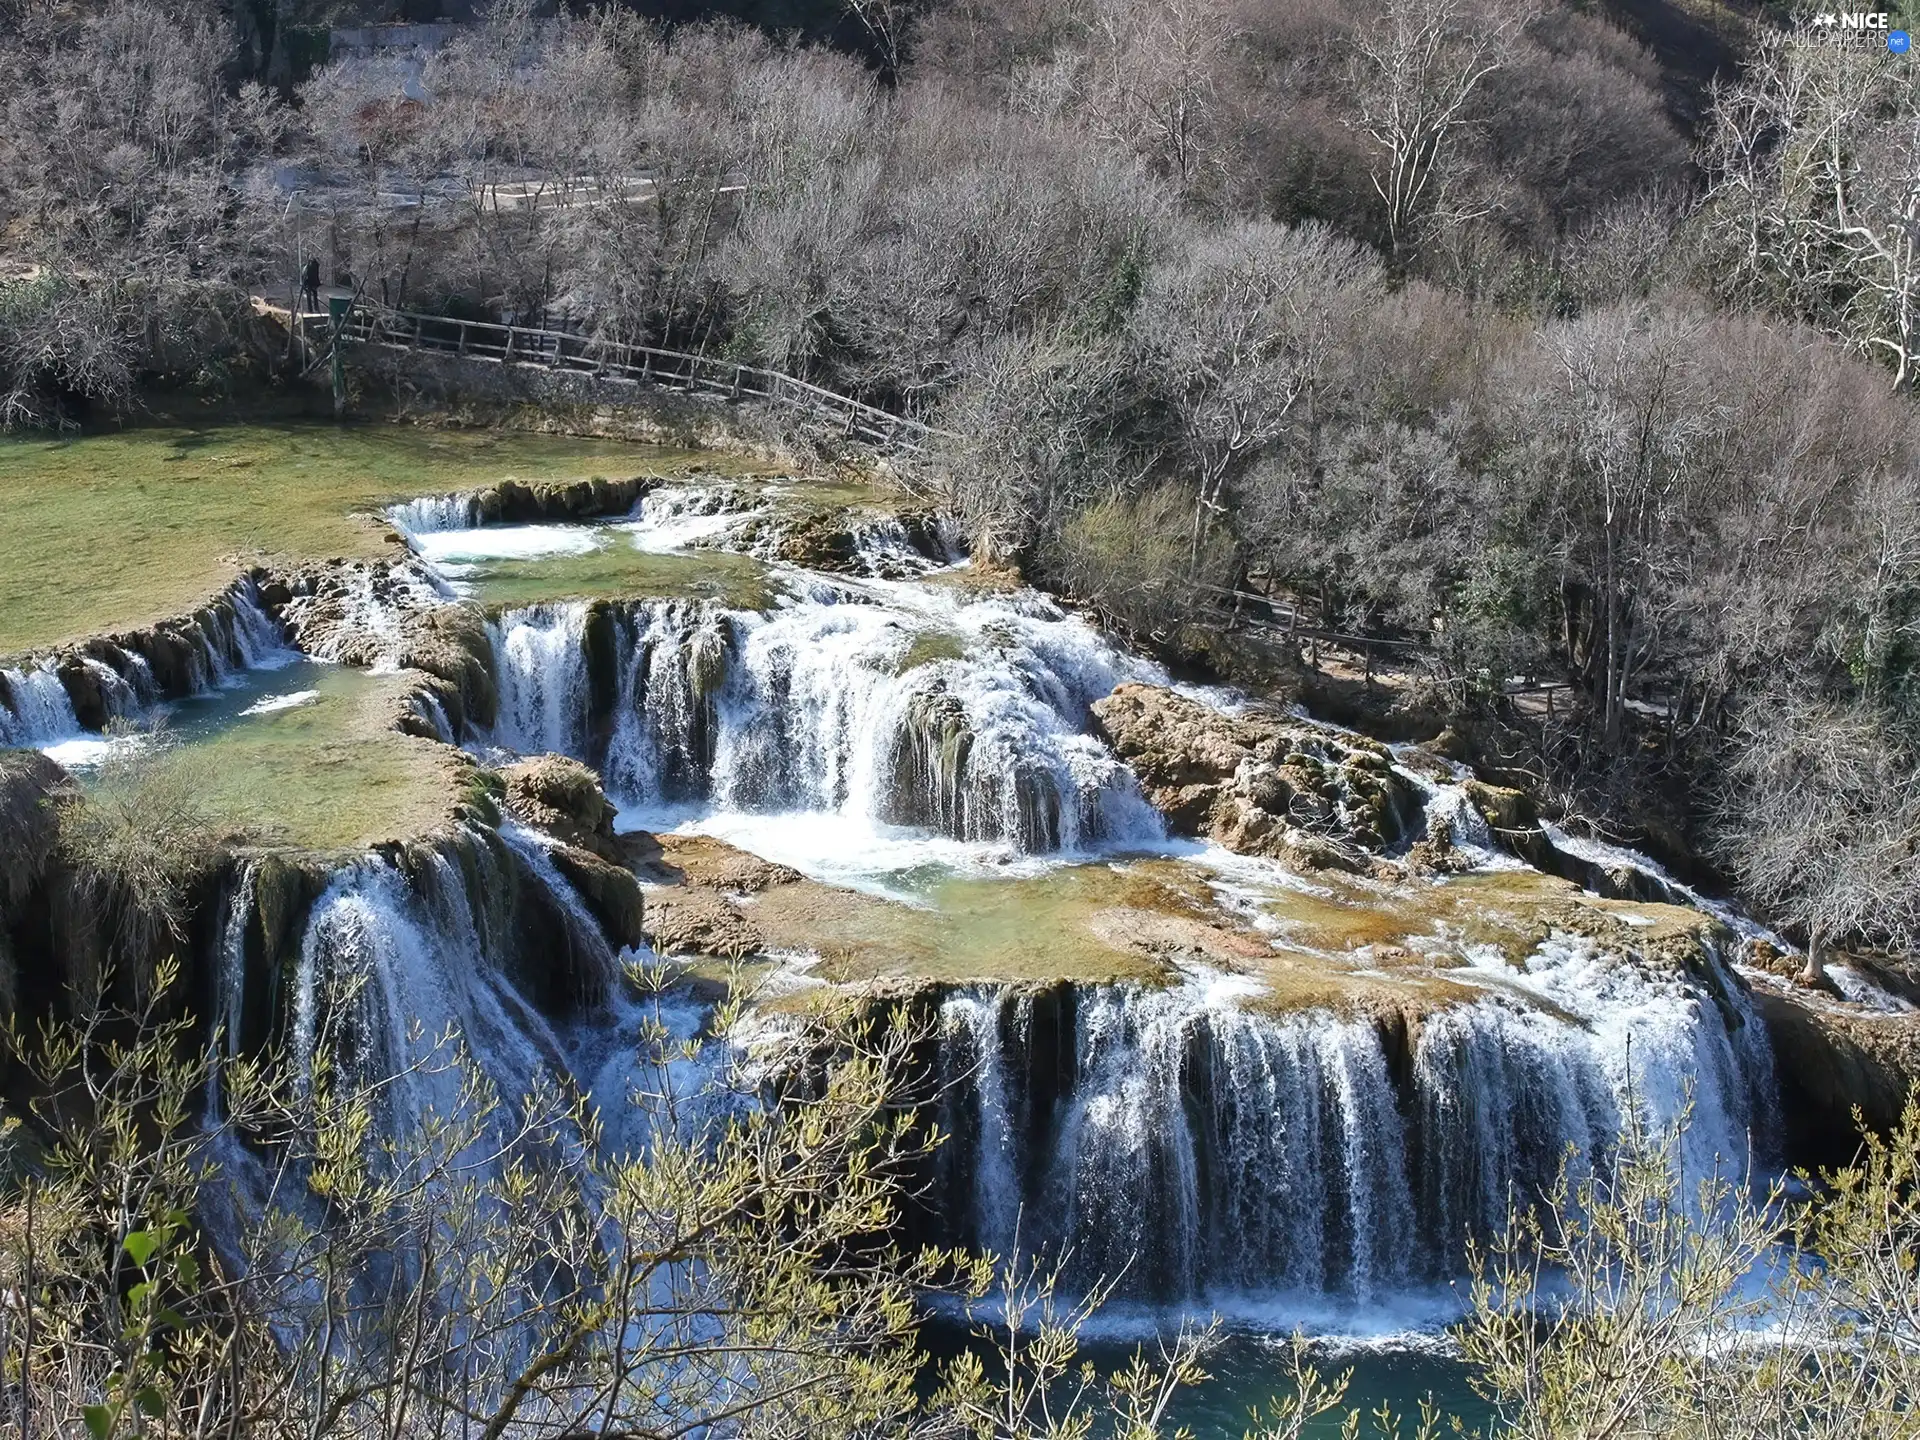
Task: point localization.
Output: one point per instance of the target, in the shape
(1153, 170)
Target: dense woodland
(1460, 322)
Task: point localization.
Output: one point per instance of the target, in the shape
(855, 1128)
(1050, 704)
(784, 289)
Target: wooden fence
(612, 363)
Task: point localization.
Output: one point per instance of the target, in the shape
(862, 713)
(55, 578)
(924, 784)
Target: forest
(1465, 324)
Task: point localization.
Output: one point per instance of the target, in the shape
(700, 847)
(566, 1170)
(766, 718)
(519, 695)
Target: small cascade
(34, 708)
(254, 639)
(434, 513)
(971, 721)
(51, 701)
(426, 707)
(590, 960)
(232, 635)
(675, 659)
(230, 978)
(1195, 1145)
(988, 1131)
(540, 663)
(389, 968)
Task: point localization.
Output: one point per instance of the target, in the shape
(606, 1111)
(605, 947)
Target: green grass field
(111, 532)
(618, 571)
(330, 775)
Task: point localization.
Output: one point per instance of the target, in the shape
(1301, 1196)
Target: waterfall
(230, 978)
(433, 513)
(34, 708)
(388, 969)
(1194, 1145)
(976, 1054)
(968, 717)
(232, 635)
(675, 658)
(540, 659)
(235, 633)
(254, 638)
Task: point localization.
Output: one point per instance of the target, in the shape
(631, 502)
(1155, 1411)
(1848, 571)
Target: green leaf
(137, 1296)
(188, 1270)
(99, 1420)
(151, 1402)
(173, 1319)
(140, 1245)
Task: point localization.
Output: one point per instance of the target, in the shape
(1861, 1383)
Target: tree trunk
(1815, 972)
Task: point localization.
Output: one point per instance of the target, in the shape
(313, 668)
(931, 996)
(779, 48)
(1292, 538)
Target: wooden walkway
(610, 363)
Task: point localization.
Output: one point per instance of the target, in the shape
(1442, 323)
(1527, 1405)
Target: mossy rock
(609, 892)
(563, 797)
(451, 642)
(1504, 809)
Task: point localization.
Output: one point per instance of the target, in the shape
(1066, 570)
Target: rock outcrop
(1841, 1071)
(562, 798)
(1260, 783)
(850, 542)
(29, 830)
(523, 502)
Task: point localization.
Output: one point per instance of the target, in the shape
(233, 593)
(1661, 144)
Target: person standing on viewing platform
(310, 286)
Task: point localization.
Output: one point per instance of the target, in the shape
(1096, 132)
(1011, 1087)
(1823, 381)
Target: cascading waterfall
(1195, 1145)
(34, 708)
(232, 635)
(388, 969)
(821, 706)
(230, 978)
(540, 657)
(433, 513)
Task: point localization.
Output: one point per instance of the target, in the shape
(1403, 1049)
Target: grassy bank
(326, 773)
(111, 532)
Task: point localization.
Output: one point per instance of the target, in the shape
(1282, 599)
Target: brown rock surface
(564, 798)
(1259, 783)
(1833, 1061)
(685, 920)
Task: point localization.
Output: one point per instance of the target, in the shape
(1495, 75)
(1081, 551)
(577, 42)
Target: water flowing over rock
(431, 514)
(34, 708)
(85, 686)
(966, 716)
(1201, 1146)
(519, 502)
(474, 934)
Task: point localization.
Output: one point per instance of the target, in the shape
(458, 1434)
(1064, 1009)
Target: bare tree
(1415, 71)
(1815, 194)
(1821, 824)
(1235, 328)
(1150, 80)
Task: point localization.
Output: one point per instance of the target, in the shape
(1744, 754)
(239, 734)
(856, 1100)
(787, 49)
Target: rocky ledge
(562, 799)
(1261, 783)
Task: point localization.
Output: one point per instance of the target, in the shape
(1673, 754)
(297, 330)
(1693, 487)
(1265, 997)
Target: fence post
(506, 350)
(463, 338)
(337, 307)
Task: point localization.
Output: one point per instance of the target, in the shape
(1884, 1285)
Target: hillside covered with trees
(1455, 323)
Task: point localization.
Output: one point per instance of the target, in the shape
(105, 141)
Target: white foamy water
(452, 549)
(819, 706)
(681, 517)
(34, 709)
(275, 703)
(433, 513)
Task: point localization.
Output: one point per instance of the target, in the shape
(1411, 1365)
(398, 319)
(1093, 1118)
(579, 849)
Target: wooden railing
(613, 363)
